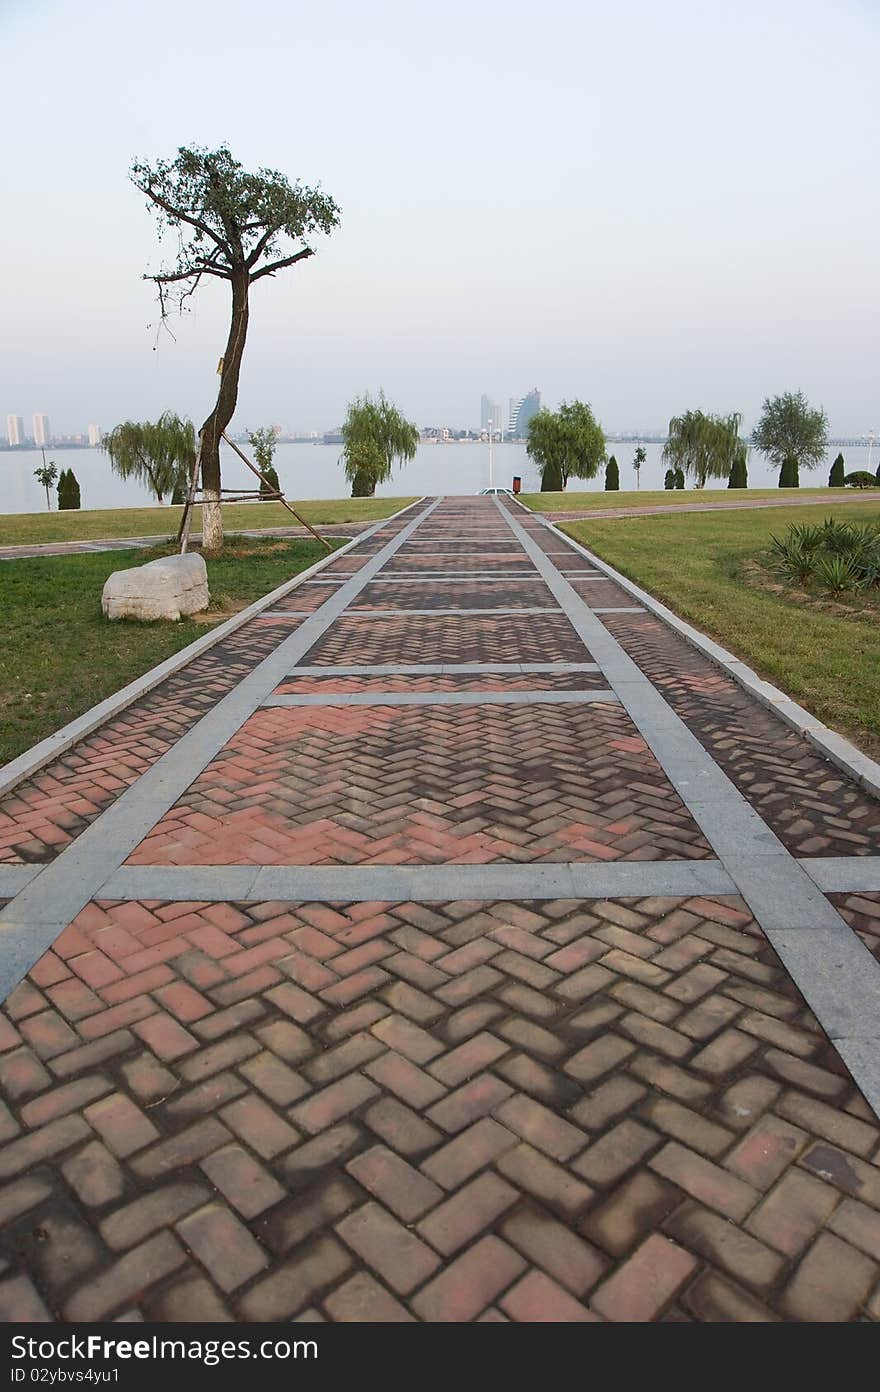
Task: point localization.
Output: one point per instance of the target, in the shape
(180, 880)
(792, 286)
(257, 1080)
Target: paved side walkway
(785, 499)
(451, 942)
(77, 548)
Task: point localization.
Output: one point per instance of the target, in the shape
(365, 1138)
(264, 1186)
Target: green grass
(583, 502)
(19, 529)
(827, 660)
(59, 655)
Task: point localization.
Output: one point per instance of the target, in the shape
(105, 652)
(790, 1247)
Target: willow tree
(375, 436)
(568, 443)
(704, 446)
(158, 454)
(792, 434)
(232, 226)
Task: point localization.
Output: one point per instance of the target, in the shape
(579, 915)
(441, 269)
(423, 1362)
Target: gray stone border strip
(844, 874)
(13, 878)
(33, 919)
(444, 698)
(420, 883)
(48, 749)
(834, 747)
(828, 962)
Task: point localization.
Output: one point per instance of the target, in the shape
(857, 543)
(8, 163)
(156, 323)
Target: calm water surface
(315, 471)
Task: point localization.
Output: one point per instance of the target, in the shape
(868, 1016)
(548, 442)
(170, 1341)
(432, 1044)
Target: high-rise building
(94, 435)
(521, 411)
(15, 430)
(41, 430)
(490, 414)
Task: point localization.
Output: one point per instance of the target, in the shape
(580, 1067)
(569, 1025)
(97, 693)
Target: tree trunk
(218, 420)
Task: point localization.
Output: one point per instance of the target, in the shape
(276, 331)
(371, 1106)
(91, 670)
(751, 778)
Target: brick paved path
(451, 942)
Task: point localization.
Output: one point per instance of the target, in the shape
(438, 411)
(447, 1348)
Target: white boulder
(163, 589)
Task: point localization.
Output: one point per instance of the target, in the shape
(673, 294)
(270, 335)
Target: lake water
(315, 471)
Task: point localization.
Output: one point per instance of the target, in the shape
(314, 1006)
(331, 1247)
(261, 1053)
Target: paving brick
(395, 1254)
(619, 1150)
(126, 1278)
(540, 1126)
(766, 1151)
(296, 1282)
(708, 1183)
(127, 1226)
(635, 1208)
(403, 1129)
(21, 1303)
(471, 1150)
(121, 1124)
(544, 1180)
(94, 1174)
(404, 1190)
(246, 1184)
(223, 1245)
(363, 1300)
(332, 1103)
(70, 1097)
(289, 1224)
(645, 1283)
(793, 1212)
(470, 1283)
(537, 1299)
(553, 1247)
(466, 1104)
(180, 1150)
(713, 1299)
(831, 1283)
(720, 1242)
(473, 1208)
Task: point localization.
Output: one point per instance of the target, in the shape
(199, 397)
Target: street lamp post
(491, 434)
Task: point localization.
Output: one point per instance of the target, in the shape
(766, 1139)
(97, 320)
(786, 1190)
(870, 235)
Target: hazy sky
(651, 206)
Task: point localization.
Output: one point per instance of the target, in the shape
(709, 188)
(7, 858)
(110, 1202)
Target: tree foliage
(46, 474)
(791, 434)
(235, 226)
(263, 442)
(612, 476)
(704, 446)
(669, 479)
(739, 474)
(375, 435)
(861, 478)
(568, 443)
(679, 477)
(838, 469)
(639, 458)
(68, 491)
(159, 454)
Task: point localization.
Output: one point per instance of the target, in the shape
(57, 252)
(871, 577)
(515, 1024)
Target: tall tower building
(94, 435)
(521, 412)
(41, 430)
(15, 430)
(490, 414)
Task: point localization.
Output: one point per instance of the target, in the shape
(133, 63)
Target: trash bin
(517, 483)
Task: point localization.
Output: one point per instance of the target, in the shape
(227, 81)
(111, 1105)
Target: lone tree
(568, 443)
(159, 454)
(232, 226)
(704, 446)
(679, 477)
(612, 476)
(838, 469)
(375, 435)
(263, 442)
(68, 491)
(46, 474)
(639, 458)
(792, 434)
(669, 479)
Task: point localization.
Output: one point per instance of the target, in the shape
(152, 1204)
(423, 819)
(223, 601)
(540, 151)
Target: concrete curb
(48, 749)
(834, 747)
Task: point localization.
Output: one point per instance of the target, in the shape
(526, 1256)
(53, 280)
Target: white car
(493, 492)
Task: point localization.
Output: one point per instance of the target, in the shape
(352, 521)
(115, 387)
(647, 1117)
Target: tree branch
(184, 217)
(166, 278)
(279, 265)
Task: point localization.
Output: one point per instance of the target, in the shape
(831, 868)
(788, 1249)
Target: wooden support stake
(186, 519)
(262, 477)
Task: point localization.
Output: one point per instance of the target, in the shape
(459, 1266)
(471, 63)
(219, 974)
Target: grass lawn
(583, 502)
(59, 655)
(828, 662)
(18, 529)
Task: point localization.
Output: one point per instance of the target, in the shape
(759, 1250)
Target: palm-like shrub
(838, 556)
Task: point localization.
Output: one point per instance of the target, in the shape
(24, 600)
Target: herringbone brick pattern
(387, 1112)
(466, 595)
(813, 809)
(46, 812)
(862, 912)
(448, 681)
(450, 638)
(397, 785)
